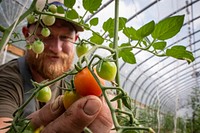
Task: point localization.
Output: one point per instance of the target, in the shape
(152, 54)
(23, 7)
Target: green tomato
(30, 18)
(48, 20)
(53, 8)
(38, 47)
(107, 70)
(44, 95)
(82, 49)
(45, 32)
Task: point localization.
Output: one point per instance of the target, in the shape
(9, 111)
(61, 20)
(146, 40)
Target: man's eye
(65, 38)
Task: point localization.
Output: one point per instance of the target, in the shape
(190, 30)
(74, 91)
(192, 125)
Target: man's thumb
(78, 116)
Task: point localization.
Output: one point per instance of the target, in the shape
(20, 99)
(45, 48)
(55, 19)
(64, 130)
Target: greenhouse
(150, 47)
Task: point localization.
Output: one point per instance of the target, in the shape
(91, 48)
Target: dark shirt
(12, 90)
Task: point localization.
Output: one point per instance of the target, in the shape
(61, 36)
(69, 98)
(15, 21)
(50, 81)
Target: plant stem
(8, 31)
(115, 46)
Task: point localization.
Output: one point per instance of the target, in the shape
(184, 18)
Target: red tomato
(85, 84)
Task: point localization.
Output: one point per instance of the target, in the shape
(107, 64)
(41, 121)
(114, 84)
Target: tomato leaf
(69, 3)
(125, 45)
(122, 23)
(180, 52)
(94, 21)
(72, 14)
(146, 30)
(91, 5)
(108, 25)
(123, 120)
(60, 10)
(96, 39)
(127, 56)
(159, 45)
(130, 32)
(127, 102)
(168, 27)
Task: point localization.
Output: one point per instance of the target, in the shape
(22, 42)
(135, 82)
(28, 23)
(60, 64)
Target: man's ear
(76, 37)
(25, 31)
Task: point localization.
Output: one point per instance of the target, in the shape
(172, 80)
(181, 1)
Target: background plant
(151, 37)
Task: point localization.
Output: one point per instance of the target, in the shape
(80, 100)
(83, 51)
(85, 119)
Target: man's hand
(88, 111)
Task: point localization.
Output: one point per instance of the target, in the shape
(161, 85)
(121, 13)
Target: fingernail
(56, 104)
(92, 107)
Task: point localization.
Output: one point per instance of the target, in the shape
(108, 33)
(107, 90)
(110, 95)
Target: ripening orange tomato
(85, 84)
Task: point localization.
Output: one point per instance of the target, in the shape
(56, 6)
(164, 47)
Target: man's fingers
(47, 114)
(81, 114)
(103, 122)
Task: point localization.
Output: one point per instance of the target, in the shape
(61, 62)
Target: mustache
(51, 54)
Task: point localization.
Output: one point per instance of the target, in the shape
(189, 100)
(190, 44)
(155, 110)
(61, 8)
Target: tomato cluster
(48, 20)
(85, 84)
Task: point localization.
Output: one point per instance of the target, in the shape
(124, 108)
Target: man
(57, 58)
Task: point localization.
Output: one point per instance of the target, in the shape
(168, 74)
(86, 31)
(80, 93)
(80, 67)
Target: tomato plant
(150, 37)
(107, 70)
(85, 84)
(69, 98)
(81, 49)
(44, 95)
(38, 47)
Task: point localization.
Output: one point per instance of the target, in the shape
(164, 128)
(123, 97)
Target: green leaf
(146, 30)
(96, 39)
(123, 120)
(168, 27)
(130, 32)
(60, 10)
(127, 56)
(109, 25)
(145, 43)
(159, 45)
(180, 52)
(111, 45)
(125, 45)
(94, 21)
(69, 3)
(72, 14)
(127, 102)
(86, 26)
(91, 5)
(122, 23)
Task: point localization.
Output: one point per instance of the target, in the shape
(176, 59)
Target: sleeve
(10, 95)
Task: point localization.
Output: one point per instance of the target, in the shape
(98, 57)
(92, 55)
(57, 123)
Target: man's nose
(55, 45)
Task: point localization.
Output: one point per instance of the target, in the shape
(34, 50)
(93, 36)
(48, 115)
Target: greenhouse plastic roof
(153, 81)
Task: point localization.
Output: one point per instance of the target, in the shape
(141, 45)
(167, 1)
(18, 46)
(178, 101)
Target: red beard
(48, 69)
